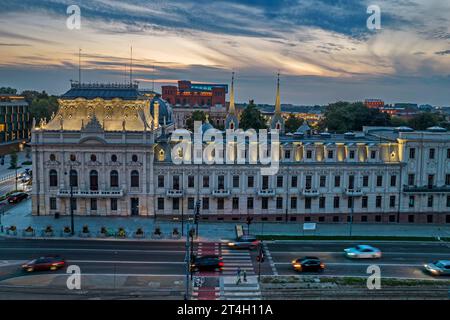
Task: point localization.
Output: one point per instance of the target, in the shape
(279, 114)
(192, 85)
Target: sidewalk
(6, 173)
(20, 216)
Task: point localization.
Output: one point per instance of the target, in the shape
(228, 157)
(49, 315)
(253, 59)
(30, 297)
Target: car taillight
(297, 265)
(220, 264)
(322, 265)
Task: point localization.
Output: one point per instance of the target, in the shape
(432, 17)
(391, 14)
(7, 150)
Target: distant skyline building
(14, 122)
(195, 94)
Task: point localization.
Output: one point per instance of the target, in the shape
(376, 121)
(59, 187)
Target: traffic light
(249, 220)
(197, 211)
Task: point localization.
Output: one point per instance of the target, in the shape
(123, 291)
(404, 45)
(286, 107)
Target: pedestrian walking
(245, 275)
(238, 273)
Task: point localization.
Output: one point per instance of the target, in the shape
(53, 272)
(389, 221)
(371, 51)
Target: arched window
(93, 157)
(73, 178)
(53, 178)
(73, 157)
(52, 157)
(114, 179)
(113, 158)
(93, 180)
(134, 158)
(134, 179)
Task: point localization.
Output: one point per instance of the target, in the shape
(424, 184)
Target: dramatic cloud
(322, 47)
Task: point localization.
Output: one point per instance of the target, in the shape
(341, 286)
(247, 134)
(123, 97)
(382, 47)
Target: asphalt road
(165, 258)
(399, 260)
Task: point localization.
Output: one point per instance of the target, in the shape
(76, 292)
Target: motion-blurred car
(308, 264)
(362, 252)
(210, 262)
(25, 178)
(17, 197)
(438, 268)
(44, 264)
(244, 242)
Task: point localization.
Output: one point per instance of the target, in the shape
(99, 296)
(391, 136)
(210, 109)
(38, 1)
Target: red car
(17, 197)
(44, 264)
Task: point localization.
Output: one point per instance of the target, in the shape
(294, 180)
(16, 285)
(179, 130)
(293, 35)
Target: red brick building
(201, 94)
(374, 103)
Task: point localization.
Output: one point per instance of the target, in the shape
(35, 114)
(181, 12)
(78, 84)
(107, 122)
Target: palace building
(108, 151)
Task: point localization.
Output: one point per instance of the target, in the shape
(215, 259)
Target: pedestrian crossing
(235, 259)
(231, 289)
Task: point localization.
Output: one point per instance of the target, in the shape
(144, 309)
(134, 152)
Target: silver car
(362, 252)
(438, 268)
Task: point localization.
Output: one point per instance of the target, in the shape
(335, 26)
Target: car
(25, 178)
(438, 268)
(17, 197)
(244, 242)
(308, 264)
(209, 262)
(362, 252)
(44, 264)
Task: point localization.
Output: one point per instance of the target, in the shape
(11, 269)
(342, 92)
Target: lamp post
(72, 223)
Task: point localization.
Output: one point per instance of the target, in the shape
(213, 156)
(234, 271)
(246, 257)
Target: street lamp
(72, 224)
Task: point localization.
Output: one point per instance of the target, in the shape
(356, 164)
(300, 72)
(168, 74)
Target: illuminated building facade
(14, 121)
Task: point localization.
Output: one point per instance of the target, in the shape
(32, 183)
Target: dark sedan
(17, 197)
(308, 264)
(211, 262)
(244, 242)
(44, 264)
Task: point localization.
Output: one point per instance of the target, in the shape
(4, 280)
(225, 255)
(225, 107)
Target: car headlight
(294, 261)
(351, 253)
(231, 243)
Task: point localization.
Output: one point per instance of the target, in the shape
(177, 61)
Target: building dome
(165, 110)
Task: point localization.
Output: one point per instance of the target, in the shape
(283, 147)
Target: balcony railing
(354, 192)
(427, 188)
(221, 193)
(78, 193)
(173, 193)
(310, 192)
(266, 192)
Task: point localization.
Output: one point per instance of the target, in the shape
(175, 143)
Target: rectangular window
(350, 202)
(94, 204)
(352, 154)
(205, 203)
(364, 202)
(287, 154)
(221, 182)
(250, 203)
(330, 154)
(114, 204)
(52, 203)
(322, 203)
(373, 154)
(264, 203)
(176, 182)
(447, 179)
(379, 181)
(176, 204)
(412, 153)
(205, 181)
(294, 203)
(220, 203)
(431, 153)
(411, 179)
(337, 181)
(235, 203)
(351, 182)
(323, 181)
(336, 203)
(393, 180)
(430, 181)
(190, 203)
(378, 201)
(250, 181)
(307, 203)
(265, 182)
(308, 182)
(392, 201)
(365, 181)
(191, 181)
(73, 204)
(309, 154)
(235, 181)
(294, 182)
(448, 153)
(430, 201)
(412, 201)
(160, 203)
(430, 218)
(448, 201)
(279, 203)
(279, 181)
(160, 181)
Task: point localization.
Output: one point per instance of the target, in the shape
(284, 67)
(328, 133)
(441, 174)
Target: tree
(251, 118)
(197, 115)
(342, 116)
(13, 160)
(292, 123)
(424, 120)
(43, 108)
(8, 90)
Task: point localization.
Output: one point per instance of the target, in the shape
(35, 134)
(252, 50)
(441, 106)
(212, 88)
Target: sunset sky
(322, 49)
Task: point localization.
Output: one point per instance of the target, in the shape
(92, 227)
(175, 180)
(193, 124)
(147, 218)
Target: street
(159, 260)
